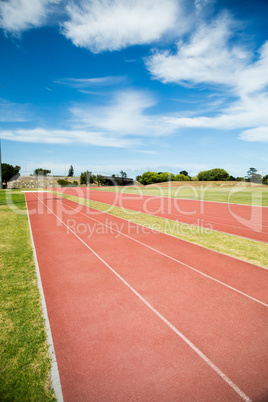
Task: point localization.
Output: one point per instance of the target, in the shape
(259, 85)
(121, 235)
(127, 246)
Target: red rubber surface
(241, 220)
(110, 346)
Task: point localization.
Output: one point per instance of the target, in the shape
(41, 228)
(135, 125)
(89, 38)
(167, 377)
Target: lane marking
(168, 323)
(54, 371)
(167, 234)
(186, 199)
(171, 258)
(208, 218)
(192, 224)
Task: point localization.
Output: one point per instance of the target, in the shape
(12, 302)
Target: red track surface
(241, 220)
(138, 315)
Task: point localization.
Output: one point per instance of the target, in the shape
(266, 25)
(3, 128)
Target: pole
(1, 185)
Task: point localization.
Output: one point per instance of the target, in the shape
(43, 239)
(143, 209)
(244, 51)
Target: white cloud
(40, 135)
(254, 77)
(213, 58)
(89, 82)
(250, 111)
(20, 15)
(124, 115)
(121, 123)
(207, 58)
(101, 25)
(259, 134)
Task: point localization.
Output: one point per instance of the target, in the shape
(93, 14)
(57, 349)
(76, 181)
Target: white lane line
(192, 224)
(172, 258)
(54, 371)
(208, 218)
(186, 199)
(171, 326)
(182, 222)
(167, 234)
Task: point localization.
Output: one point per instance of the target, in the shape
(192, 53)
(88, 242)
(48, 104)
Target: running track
(241, 220)
(140, 315)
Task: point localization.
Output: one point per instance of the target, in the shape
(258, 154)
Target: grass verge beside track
(25, 363)
(244, 249)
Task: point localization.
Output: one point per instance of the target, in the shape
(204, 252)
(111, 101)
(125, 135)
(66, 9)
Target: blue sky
(110, 85)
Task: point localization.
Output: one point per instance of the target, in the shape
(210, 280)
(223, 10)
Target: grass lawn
(244, 249)
(25, 362)
(238, 193)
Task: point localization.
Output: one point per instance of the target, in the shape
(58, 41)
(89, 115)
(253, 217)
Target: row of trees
(45, 172)
(12, 172)
(89, 178)
(206, 175)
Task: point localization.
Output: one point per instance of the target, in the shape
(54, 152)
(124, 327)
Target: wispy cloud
(259, 134)
(45, 136)
(13, 112)
(122, 122)
(81, 83)
(125, 114)
(247, 112)
(101, 25)
(17, 16)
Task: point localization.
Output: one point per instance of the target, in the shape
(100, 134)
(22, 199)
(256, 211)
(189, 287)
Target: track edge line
(54, 371)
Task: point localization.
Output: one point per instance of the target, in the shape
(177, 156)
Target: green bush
(182, 177)
(66, 183)
(154, 177)
(213, 175)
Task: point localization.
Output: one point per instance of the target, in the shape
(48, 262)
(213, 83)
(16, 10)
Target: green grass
(25, 362)
(241, 193)
(244, 249)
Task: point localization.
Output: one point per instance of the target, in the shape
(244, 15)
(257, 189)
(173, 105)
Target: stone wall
(38, 182)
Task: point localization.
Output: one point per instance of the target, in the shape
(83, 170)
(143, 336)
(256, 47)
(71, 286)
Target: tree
(9, 172)
(265, 179)
(41, 172)
(253, 176)
(149, 178)
(100, 179)
(87, 177)
(71, 171)
(123, 175)
(83, 178)
(154, 177)
(213, 175)
(185, 173)
(182, 177)
(166, 176)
